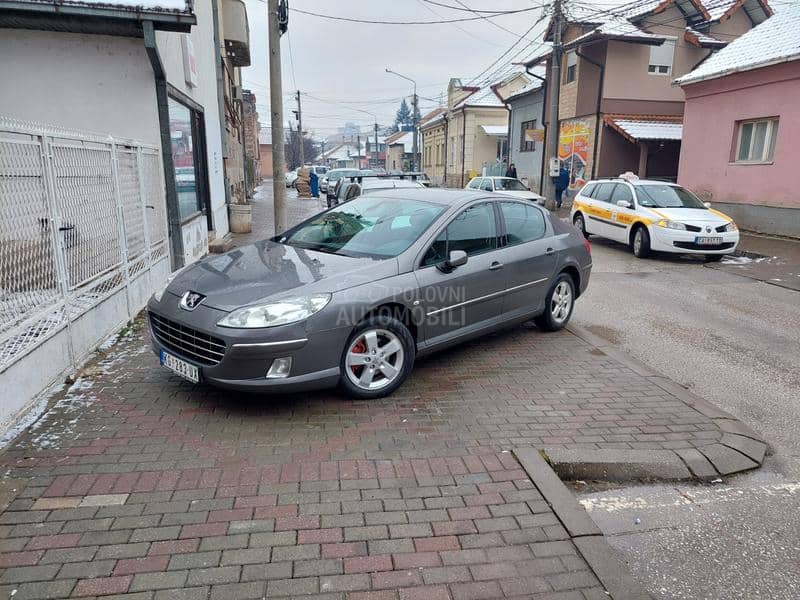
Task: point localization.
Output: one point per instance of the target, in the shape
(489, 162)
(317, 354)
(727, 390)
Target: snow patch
(151, 5)
(742, 260)
(67, 412)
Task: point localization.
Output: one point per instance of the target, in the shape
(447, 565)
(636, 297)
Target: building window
(526, 145)
(661, 58)
(756, 140)
(188, 157)
(571, 74)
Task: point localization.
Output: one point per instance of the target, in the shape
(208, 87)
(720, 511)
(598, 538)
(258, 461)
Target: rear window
(588, 189)
(604, 191)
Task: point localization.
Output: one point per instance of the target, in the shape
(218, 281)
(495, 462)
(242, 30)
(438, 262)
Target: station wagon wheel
(377, 359)
(580, 224)
(640, 244)
(559, 303)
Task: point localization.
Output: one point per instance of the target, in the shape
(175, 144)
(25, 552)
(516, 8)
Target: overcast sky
(344, 62)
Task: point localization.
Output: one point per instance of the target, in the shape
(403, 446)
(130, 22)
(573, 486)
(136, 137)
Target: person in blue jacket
(314, 181)
(562, 183)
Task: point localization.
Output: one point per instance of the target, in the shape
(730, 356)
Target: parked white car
(653, 216)
(291, 177)
(505, 185)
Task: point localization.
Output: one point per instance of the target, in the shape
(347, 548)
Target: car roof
(634, 182)
(434, 195)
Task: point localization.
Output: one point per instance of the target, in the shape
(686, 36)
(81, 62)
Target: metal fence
(81, 218)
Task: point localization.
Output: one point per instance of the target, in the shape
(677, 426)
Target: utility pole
(377, 163)
(415, 146)
(554, 89)
(300, 129)
(276, 113)
(358, 149)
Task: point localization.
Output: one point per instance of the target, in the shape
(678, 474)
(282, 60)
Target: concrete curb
(739, 449)
(589, 540)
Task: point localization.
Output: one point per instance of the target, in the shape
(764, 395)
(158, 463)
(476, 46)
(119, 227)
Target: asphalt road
(736, 342)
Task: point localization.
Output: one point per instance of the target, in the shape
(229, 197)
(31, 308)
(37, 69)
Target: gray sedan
(353, 295)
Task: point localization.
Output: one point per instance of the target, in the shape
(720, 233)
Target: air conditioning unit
(237, 93)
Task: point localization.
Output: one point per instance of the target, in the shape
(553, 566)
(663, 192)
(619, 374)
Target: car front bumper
(248, 354)
(684, 242)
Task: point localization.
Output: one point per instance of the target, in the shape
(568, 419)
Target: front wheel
(377, 359)
(578, 221)
(558, 304)
(641, 243)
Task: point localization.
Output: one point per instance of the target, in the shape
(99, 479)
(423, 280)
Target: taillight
(588, 245)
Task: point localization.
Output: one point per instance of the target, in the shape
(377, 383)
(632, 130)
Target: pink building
(742, 126)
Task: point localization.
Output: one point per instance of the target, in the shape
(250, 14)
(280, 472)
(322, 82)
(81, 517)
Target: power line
(462, 8)
(457, 26)
(487, 19)
(372, 22)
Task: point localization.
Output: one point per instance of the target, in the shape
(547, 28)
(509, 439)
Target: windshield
(667, 196)
(511, 185)
(375, 227)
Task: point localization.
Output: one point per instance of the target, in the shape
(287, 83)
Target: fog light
(280, 368)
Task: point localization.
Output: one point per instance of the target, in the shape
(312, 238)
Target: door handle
(549, 251)
(495, 265)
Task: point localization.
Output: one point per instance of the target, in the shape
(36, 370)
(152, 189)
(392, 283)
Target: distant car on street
(291, 177)
(331, 178)
(370, 185)
(353, 295)
(653, 216)
(506, 185)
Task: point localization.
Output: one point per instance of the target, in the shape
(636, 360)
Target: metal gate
(82, 218)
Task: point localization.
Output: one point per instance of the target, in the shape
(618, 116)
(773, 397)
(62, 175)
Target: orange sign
(573, 149)
(534, 135)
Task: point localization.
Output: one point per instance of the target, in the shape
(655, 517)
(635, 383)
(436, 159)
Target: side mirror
(623, 203)
(457, 258)
(707, 204)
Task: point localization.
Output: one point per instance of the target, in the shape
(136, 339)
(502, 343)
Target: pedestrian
(511, 171)
(562, 183)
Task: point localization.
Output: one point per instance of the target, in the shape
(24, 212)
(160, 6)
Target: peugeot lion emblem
(190, 300)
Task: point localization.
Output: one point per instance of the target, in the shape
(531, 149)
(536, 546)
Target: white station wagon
(653, 216)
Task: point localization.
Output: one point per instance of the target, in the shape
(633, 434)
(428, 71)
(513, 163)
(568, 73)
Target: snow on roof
(495, 130)
(647, 129)
(484, 97)
(148, 5)
(531, 86)
(718, 9)
(407, 140)
(774, 41)
(703, 39)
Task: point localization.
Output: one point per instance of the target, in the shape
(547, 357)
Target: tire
(559, 302)
(578, 221)
(640, 243)
(714, 257)
(382, 331)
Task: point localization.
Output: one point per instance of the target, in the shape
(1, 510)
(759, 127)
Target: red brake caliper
(359, 348)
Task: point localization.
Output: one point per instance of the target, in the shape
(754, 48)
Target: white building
(111, 168)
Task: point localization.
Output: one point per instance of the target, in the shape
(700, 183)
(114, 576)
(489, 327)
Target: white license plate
(708, 241)
(180, 367)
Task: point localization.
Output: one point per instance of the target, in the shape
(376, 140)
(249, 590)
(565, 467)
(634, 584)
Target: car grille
(722, 228)
(693, 246)
(693, 228)
(196, 345)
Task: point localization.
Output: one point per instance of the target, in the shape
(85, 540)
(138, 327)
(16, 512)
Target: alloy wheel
(374, 359)
(561, 302)
(637, 242)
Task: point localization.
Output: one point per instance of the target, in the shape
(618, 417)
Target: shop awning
(637, 128)
(495, 130)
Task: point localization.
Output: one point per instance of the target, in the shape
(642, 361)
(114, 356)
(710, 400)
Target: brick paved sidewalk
(139, 485)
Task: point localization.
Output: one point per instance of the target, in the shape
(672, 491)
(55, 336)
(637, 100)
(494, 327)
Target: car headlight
(280, 312)
(730, 227)
(671, 225)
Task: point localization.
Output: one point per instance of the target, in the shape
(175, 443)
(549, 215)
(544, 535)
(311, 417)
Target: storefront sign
(573, 150)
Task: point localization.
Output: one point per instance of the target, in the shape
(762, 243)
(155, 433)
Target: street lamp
(413, 117)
